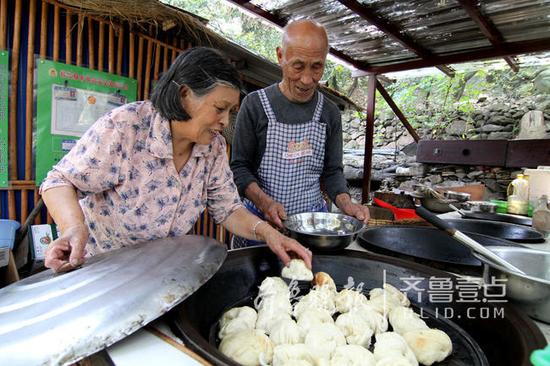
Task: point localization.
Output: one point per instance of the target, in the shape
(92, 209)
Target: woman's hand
(282, 245)
(67, 251)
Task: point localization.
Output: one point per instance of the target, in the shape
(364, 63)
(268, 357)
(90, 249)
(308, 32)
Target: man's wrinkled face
(302, 65)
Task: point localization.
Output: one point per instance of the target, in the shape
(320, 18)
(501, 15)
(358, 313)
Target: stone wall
(487, 117)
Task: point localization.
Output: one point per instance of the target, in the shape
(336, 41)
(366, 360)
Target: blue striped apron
(292, 164)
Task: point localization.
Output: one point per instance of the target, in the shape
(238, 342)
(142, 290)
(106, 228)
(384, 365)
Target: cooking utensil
(49, 319)
(426, 245)
(529, 291)
(458, 196)
(502, 230)
(474, 338)
(482, 206)
(493, 217)
(464, 239)
(323, 231)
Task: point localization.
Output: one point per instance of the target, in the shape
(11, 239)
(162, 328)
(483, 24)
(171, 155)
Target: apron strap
(318, 108)
(267, 106)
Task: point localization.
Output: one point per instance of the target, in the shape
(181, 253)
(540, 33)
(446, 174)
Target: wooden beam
(280, 22)
(393, 32)
(507, 49)
(397, 111)
(487, 27)
(369, 137)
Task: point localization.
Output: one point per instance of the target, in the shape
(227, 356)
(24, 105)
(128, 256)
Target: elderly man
(288, 137)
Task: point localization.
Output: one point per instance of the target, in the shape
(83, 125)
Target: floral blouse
(127, 183)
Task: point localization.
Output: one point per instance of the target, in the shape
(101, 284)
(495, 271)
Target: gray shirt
(249, 140)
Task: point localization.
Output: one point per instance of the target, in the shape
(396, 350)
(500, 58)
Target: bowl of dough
(323, 231)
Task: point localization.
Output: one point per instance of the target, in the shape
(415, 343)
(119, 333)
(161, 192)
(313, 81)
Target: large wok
(506, 340)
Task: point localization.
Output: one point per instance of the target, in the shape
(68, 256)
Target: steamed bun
(285, 332)
(323, 280)
(319, 299)
(273, 286)
(311, 317)
(293, 354)
(323, 339)
(297, 270)
(355, 328)
(429, 345)
(346, 300)
(268, 319)
(392, 345)
(248, 347)
(404, 320)
(352, 355)
(237, 319)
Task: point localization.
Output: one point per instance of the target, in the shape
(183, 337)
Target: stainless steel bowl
(530, 292)
(323, 230)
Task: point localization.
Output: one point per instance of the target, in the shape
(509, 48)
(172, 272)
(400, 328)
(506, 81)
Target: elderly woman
(148, 169)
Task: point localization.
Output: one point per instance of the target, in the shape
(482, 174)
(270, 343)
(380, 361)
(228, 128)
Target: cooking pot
(506, 337)
(323, 231)
(529, 291)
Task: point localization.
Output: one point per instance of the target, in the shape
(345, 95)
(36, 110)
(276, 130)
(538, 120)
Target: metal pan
(475, 341)
(525, 221)
(502, 230)
(427, 245)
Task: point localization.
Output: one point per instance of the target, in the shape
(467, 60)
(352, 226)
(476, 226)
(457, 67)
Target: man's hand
(274, 212)
(343, 201)
(67, 251)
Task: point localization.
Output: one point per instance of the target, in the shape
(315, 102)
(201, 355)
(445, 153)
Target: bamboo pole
(12, 130)
(131, 58)
(3, 23)
(165, 59)
(158, 50)
(37, 219)
(79, 43)
(140, 68)
(29, 107)
(56, 32)
(174, 50)
(44, 30)
(101, 46)
(91, 44)
(120, 52)
(148, 70)
(111, 58)
(68, 38)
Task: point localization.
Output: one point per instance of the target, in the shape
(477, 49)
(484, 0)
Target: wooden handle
(177, 345)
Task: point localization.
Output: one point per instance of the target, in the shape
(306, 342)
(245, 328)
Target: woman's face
(209, 114)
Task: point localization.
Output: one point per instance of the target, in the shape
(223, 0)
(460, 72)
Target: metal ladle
(465, 239)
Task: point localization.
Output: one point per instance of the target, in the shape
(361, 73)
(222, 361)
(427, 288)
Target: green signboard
(4, 77)
(69, 100)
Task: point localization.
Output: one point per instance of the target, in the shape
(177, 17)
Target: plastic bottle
(541, 216)
(518, 196)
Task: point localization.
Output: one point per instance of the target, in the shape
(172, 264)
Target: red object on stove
(398, 213)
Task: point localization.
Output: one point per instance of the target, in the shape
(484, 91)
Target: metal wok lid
(58, 319)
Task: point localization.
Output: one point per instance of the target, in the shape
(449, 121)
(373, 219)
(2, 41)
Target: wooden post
(12, 129)
(68, 37)
(120, 51)
(101, 46)
(369, 137)
(3, 23)
(44, 30)
(132, 57)
(158, 50)
(397, 111)
(79, 36)
(111, 49)
(140, 68)
(165, 59)
(91, 44)
(148, 69)
(56, 32)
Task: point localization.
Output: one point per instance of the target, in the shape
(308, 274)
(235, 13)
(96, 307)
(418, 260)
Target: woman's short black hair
(201, 69)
